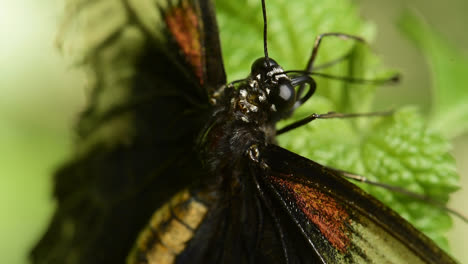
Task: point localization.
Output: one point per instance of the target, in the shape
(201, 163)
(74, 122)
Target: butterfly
(174, 150)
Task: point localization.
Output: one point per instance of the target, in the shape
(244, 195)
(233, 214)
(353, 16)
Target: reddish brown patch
(185, 27)
(322, 210)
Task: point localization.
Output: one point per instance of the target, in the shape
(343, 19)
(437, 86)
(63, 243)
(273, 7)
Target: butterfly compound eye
(283, 96)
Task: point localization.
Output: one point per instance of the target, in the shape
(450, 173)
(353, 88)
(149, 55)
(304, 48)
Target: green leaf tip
(449, 67)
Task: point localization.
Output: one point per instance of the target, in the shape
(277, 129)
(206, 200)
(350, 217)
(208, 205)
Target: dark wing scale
(192, 40)
(223, 234)
(242, 227)
(215, 75)
(341, 222)
(125, 165)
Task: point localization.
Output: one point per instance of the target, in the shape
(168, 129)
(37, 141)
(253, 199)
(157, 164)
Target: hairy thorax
(240, 121)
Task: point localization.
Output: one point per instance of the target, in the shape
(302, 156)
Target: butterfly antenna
(265, 45)
(423, 198)
(381, 81)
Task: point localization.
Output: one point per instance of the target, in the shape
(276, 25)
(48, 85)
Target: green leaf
(292, 28)
(398, 150)
(449, 67)
(402, 151)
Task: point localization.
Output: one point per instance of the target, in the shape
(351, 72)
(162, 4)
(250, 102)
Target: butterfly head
(268, 77)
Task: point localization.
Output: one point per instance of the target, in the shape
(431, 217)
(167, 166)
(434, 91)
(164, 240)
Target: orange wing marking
(185, 27)
(322, 210)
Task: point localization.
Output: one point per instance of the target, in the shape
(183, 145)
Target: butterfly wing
(288, 209)
(339, 221)
(152, 65)
(242, 226)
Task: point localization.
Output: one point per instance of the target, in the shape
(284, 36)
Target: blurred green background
(41, 94)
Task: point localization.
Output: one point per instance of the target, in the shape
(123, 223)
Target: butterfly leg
(330, 115)
(318, 41)
(302, 80)
(397, 189)
(332, 62)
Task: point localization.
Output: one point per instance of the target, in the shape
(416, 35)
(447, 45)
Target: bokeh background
(41, 94)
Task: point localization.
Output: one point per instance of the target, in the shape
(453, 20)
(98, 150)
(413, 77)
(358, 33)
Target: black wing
(152, 66)
(339, 221)
(289, 209)
(244, 226)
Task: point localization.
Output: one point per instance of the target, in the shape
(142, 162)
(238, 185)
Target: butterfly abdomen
(169, 230)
